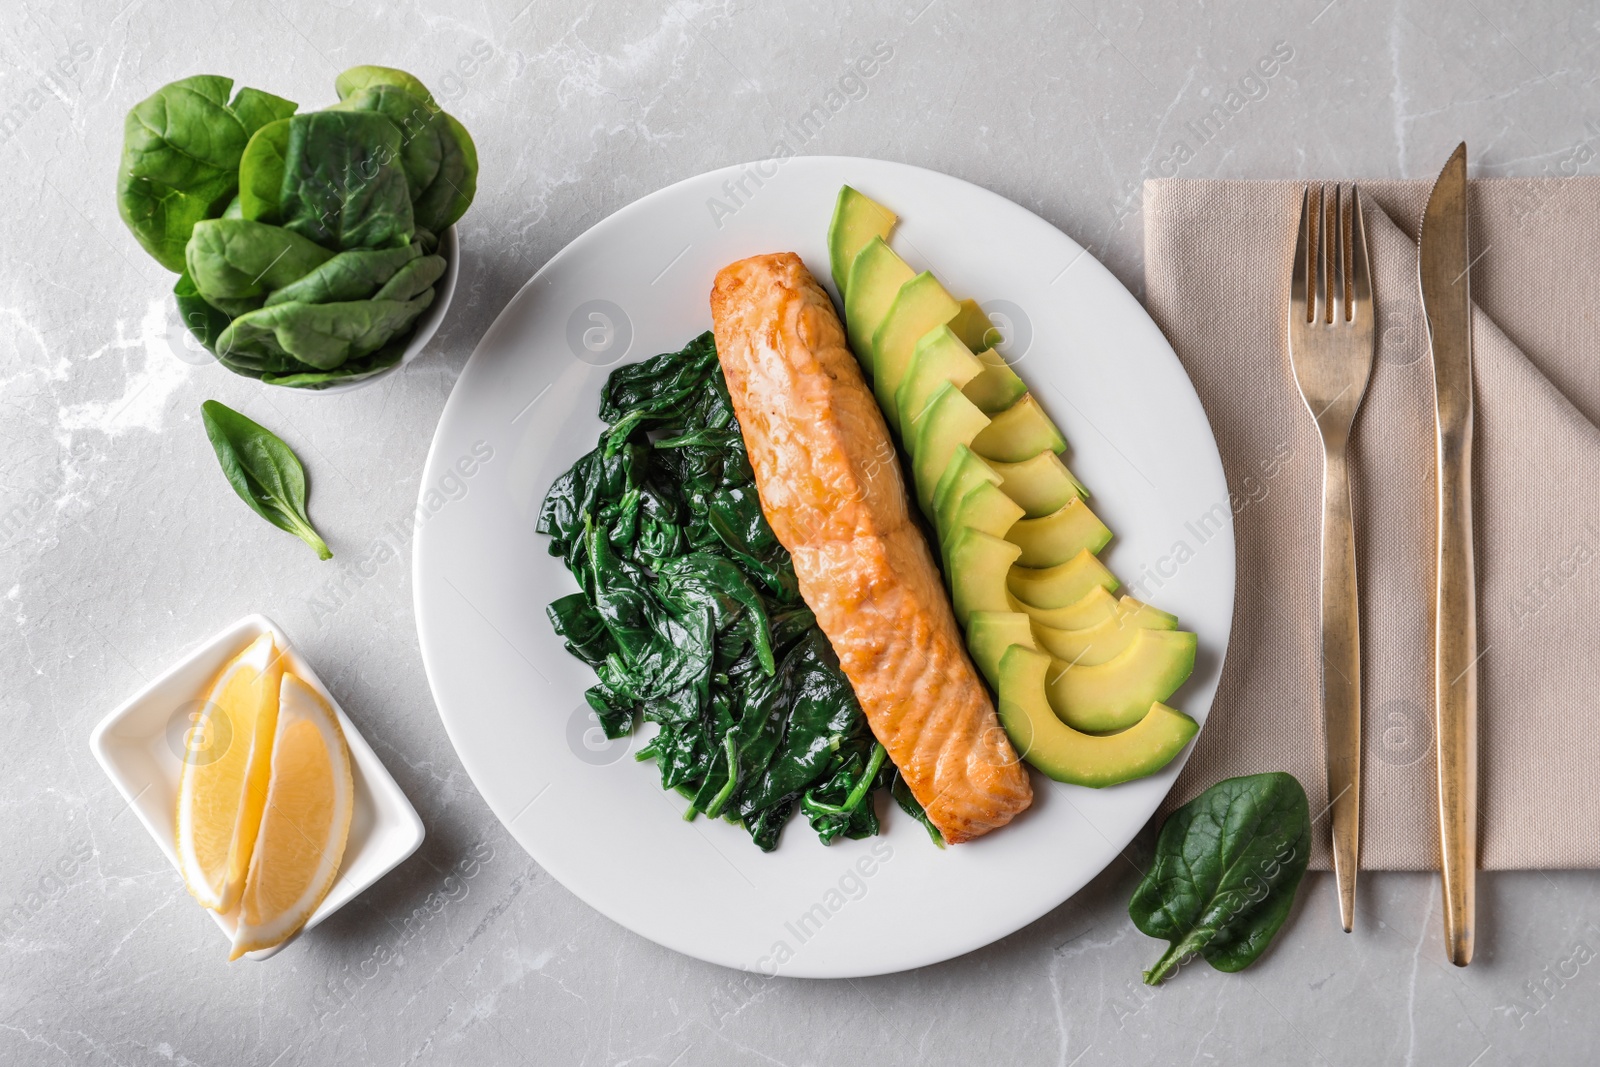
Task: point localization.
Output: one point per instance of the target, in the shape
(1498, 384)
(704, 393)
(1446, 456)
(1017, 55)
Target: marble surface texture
(122, 546)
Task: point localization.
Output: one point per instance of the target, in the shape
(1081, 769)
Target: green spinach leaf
(261, 169)
(180, 162)
(689, 612)
(344, 186)
(357, 78)
(322, 336)
(1226, 869)
(236, 259)
(422, 130)
(263, 470)
(255, 109)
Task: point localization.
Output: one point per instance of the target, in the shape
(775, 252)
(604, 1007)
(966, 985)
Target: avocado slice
(1105, 640)
(948, 420)
(990, 633)
(961, 474)
(1061, 585)
(984, 508)
(1066, 754)
(998, 387)
(857, 219)
(1116, 694)
(1019, 432)
(1058, 536)
(1041, 485)
(1091, 609)
(876, 275)
(972, 325)
(978, 566)
(920, 305)
(938, 358)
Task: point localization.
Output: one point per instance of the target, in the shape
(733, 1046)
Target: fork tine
(1360, 270)
(1302, 244)
(1325, 248)
(1340, 301)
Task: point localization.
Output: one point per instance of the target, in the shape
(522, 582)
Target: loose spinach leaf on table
(1226, 869)
(263, 470)
(690, 614)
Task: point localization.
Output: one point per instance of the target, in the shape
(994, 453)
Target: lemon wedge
(222, 786)
(309, 801)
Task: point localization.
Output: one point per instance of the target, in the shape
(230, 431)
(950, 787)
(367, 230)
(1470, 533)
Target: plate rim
(621, 217)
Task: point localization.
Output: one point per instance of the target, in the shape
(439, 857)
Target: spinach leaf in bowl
(180, 159)
(344, 186)
(261, 172)
(350, 370)
(447, 197)
(353, 275)
(235, 259)
(204, 321)
(323, 335)
(413, 279)
(357, 78)
(256, 109)
(420, 126)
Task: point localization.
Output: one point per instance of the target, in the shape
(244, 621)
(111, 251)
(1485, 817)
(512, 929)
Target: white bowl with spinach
(313, 251)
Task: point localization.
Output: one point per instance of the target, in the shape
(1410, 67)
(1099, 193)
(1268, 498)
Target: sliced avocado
(939, 357)
(1093, 608)
(1041, 484)
(978, 566)
(1063, 584)
(1058, 536)
(1066, 754)
(972, 325)
(964, 471)
(984, 508)
(990, 633)
(857, 219)
(1116, 694)
(876, 275)
(998, 387)
(948, 420)
(1107, 639)
(921, 305)
(1019, 432)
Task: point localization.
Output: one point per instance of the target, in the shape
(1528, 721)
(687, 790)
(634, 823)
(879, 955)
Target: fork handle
(1341, 675)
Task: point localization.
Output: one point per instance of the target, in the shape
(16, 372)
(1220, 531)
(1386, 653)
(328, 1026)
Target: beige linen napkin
(1217, 260)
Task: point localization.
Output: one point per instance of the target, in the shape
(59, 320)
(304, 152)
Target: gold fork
(1330, 349)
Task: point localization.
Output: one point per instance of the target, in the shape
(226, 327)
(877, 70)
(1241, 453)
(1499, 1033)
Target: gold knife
(1445, 271)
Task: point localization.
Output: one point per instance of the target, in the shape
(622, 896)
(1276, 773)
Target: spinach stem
(731, 747)
(853, 800)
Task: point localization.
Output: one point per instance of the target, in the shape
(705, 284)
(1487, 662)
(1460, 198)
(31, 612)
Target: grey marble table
(122, 546)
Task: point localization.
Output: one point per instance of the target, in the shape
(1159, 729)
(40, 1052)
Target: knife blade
(1444, 269)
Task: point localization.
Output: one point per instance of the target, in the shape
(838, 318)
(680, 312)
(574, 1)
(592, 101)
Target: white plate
(141, 745)
(511, 697)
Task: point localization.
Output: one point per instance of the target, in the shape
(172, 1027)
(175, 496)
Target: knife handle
(1341, 676)
(1456, 694)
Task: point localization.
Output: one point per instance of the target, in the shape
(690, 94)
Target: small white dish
(140, 745)
(427, 323)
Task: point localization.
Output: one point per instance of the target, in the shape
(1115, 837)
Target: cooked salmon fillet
(831, 487)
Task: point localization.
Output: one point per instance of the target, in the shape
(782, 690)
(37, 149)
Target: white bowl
(140, 745)
(427, 323)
